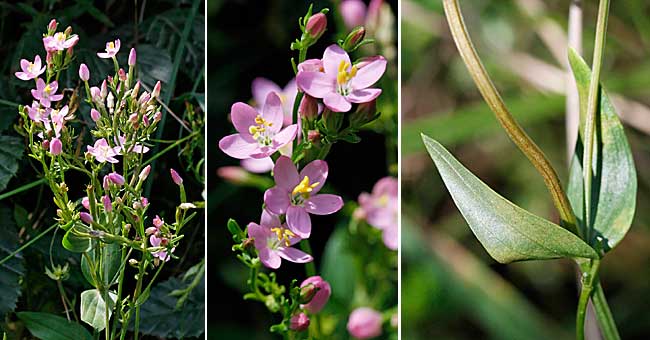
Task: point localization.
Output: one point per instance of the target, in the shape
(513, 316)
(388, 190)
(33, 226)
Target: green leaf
(11, 151)
(13, 269)
(508, 232)
(75, 243)
(339, 266)
(93, 308)
(159, 316)
(47, 326)
(614, 176)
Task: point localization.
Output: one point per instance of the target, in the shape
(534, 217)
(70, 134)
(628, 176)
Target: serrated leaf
(48, 326)
(11, 151)
(13, 269)
(93, 308)
(508, 232)
(614, 176)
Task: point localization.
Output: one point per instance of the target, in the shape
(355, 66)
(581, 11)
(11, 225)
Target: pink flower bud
(52, 25)
(144, 173)
(150, 231)
(56, 146)
(85, 202)
(46, 144)
(158, 222)
(144, 97)
(86, 217)
(84, 74)
(145, 120)
(144, 201)
(96, 93)
(108, 206)
(104, 89)
(233, 174)
(353, 13)
(176, 177)
(157, 117)
(116, 178)
(121, 74)
(137, 205)
(364, 323)
(132, 57)
(313, 136)
(136, 89)
(299, 322)
(156, 90)
(106, 183)
(316, 25)
(308, 108)
(321, 297)
(133, 118)
(95, 115)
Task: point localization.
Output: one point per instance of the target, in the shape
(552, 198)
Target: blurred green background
(451, 288)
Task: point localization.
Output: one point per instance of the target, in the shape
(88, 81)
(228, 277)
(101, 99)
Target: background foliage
(165, 52)
(451, 287)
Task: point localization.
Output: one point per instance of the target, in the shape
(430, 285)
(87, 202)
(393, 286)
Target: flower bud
(133, 119)
(106, 184)
(84, 73)
(187, 206)
(353, 13)
(156, 90)
(144, 173)
(365, 113)
(313, 136)
(145, 120)
(104, 89)
(85, 202)
(108, 206)
(68, 31)
(110, 102)
(96, 93)
(136, 89)
(308, 108)
(364, 323)
(353, 39)
(157, 117)
(95, 115)
(144, 97)
(46, 144)
(137, 205)
(316, 25)
(121, 74)
(51, 27)
(234, 174)
(333, 120)
(86, 217)
(320, 298)
(116, 178)
(56, 147)
(150, 231)
(299, 322)
(176, 177)
(132, 57)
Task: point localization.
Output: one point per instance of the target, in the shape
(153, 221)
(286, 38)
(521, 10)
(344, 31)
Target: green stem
(505, 118)
(170, 147)
(29, 243)
(310, 267)
(589, 276)
(592, 107)
(604, 314)
(22, 188)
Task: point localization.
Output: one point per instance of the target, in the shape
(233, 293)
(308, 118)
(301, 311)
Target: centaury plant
(110, 223)
(597, 208)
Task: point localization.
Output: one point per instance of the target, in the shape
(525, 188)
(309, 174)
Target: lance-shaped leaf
(614, 181)
(508, 232)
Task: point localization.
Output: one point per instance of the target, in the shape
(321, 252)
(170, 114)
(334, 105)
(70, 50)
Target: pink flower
(322, 295)
(116, 179)
(261, 89)
(56, 147)
(84, 73)
(295, 194)
(122, 147)
(158, 242)
(380, 209)
(59, 42)
(342, 83)
(364, 323)
(260, 134)
(45, 93)
(37, 113)
(299, 322)
(57, 121)
(273, 242)
(353, 13)
(158, 222)
(176, 177)
(112, 47)
(30, 70)
(104, 152)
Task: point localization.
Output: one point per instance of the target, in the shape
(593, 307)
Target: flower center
(30, 67)
(47, 89)
(111, 45)
(59, 37)
(345, 73)
(302, 191)
(260, 132)
(284, 235)
(382, 201)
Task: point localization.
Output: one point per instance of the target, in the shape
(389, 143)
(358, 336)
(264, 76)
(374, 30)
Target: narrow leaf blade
(508, 232)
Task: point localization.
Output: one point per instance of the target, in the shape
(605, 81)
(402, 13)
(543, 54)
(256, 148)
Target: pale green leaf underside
(53, 327)
(93, 308)
(614, 176)
(508, 232)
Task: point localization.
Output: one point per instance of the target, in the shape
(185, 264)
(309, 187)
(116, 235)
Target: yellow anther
(353, 71)
(111, 45)
(383, 200)
(343, 76)
(47, 88)
(304, 187)
(284, 235)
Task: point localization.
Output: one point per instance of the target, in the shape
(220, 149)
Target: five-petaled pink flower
(380, 209)
(112, 47)
(260, 134)
(158, 242)
(37, 113)
(273, 241)
(341, 83)
(30, 70)
(296, 194)
(46, 93)
(262, 87)
(59, 42)
(104, 152)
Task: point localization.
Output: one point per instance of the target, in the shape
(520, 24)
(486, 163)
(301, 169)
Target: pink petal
(24, 64)
(369, 74)
(294, 255)
(269, 220)
(270, 258)
(285, 136)
(261, 165)
(257, 233)
(391, 238)
(323, 204)
(332, 58)
(285, 174)
(277, 200)
(237, 147)
(23, 76)
(261, 88)
(243, 117)
(386, 186)
(363, 96)
(298, 221)
(317, 172)
(316, 84)
(272, 111)
(336, 102)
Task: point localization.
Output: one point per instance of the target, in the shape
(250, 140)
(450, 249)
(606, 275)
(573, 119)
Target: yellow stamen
(47, 89)
(111, 45)
(304, 187)
(343, 76)
(284, 235)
